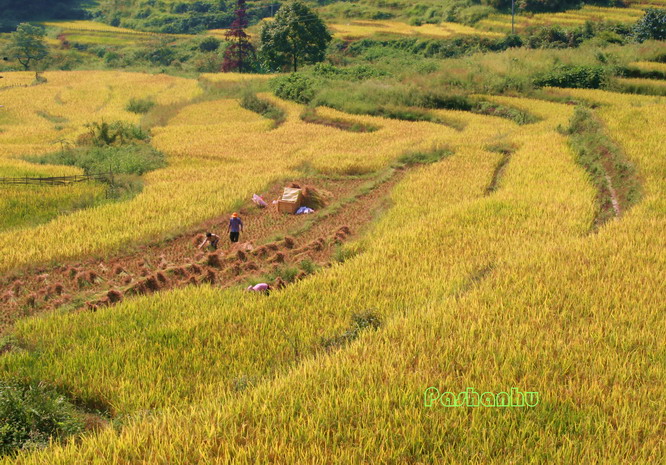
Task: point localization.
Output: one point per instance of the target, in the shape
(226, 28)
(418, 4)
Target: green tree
(297, 36)
(651, 26)
(26, 45)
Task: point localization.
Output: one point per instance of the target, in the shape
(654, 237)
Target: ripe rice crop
(642, 86)
(367, 28)
(502, 22)
(207, 143)
(234, 77)
(649, 66)
(513, 290)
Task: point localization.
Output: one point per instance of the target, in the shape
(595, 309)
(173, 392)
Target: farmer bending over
(261, 287)
(211, 238)
(235, 227)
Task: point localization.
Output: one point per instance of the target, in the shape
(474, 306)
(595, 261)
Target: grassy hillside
(489, 217)
(516, 292)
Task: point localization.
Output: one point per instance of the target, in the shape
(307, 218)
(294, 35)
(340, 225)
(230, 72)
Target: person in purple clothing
(235, 227)
(261, 287)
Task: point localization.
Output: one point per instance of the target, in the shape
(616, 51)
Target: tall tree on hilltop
(296, 37)
(238, 55)
(26, 45)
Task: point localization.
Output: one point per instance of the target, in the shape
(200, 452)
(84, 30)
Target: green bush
(652, 26)
(140, 106)
(297, 87)
(585, 77)
(116, 133)
(251, 102)
(31, 415)
(209, 44)
(424, 158)
(135, 159)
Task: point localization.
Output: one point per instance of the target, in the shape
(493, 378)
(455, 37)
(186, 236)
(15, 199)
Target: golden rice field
(475, 290)
(367, 28)
(235, 77)
(649, 66)
(35, 119)
(578, 17)
(92, 32)
(642, 86)
(209, 166)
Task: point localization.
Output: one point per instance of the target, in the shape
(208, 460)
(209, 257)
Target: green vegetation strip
(614, 177)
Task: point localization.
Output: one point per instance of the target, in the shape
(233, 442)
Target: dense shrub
(136, 159)
(351, 73)
(140, 106)
(251, 102)
(587, 77)
(553, 37)
(102, 134)
(209, 44)
(651, 26)
(31, 414)
(295, 86)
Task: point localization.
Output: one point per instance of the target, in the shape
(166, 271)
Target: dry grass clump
(196, 269)
(57, 289)
(127, 279)
(279, 283)
(277, 258)
(210, 278)
(317, 244)
(198, 240)
(84, 278)
(213, 259)
(272, 246)
(251, 266)
(114, 296)
(180, 272)
(161, 277)
(152, 283)
(241, 255)
(31, 299)
(339, 237)
(17, 286)
(260, 251)
(137, 288)
(289, 242)
(235, 269)
(118, 270)
(315, 198)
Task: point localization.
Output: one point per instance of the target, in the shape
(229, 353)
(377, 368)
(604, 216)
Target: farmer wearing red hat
(235, 227)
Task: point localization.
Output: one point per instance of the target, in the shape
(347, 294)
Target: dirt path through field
(271, 242)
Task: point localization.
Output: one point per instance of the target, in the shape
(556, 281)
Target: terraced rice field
(502, 23)
(475, 287)
(367, 28)
(95, 33)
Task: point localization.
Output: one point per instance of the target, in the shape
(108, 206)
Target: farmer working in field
(261, 287)
(212, 239)
(235, 227)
